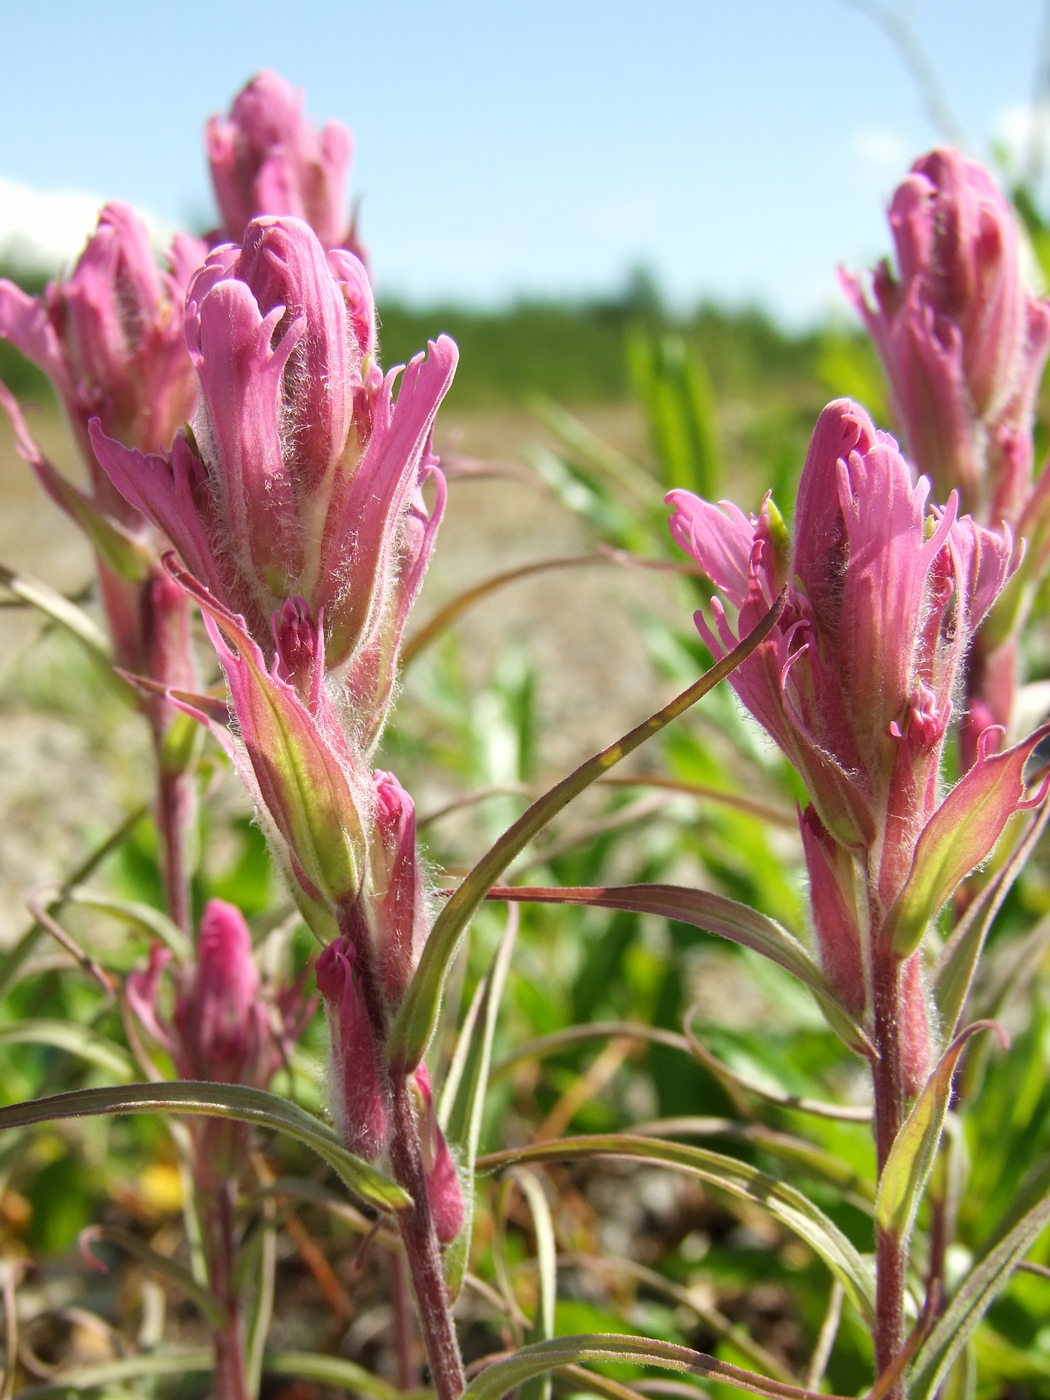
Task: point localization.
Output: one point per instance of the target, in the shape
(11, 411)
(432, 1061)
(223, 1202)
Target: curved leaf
(462, 1102)
(456, 607)
(78, 1040)
(955, 967)
(716, 914)
(910, 1162)
(141, 916)
(13, 959)
(417, 1016)
(974, 1297)
(961, 834)
(159, 1264)
(542, 1330)
(334, 1371)
(218, 1101)
(127, 1368)
(501, 1376)
(790, 1207)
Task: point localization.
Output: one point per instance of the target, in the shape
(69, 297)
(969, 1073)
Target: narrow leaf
(547, 1268)
(127, 555)
(217, 1101)
(334, 1371)
(954, 971)
(78, 1040)
(158, 1264)
(67, 615)
(911, 1158)
(144, 917)
(501, 1376)
(716, 914)
(127, 1368)
(960, 835)
(456, 607)
(418, 1014)
(462, 1103)
(790, 1207)
(14, 959)
(974, 1297)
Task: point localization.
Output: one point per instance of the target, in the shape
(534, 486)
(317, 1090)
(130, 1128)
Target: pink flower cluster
(247, 454)
(856, 686)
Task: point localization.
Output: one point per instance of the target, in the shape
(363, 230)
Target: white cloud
(881, 157)
(1014, 130)
(624, 217)
(43, 229)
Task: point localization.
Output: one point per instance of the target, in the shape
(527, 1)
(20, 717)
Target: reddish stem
(176, 810)
(888, 1083)
(422, 1250)
(231, 1379)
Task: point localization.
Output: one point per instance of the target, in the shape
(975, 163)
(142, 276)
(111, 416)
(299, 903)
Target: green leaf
(790, 1207)
(334, 1371)
(417, 1016)
(674, 386)
(713, 912)
(328, 1370)
(128, 1368)
(13, 960)
(456, 607)
(218, 1101)
(145, 917)
(960, 835)
(911, 1158)
(158, 1264)
(462, 1103)
(973, 1298)
(68, 616)
(501, 1376)
(78, 1040)
(262, 1304)
(546, 1261)
(955, 968)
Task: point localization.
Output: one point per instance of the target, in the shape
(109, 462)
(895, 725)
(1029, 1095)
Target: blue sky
(738, 148)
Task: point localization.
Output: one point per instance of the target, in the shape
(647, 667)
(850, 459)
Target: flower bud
(358, 1089)
(221, 1024)
(962, 340)
(444, 1193)
(110, 339)
(266, 158)
(398, 905)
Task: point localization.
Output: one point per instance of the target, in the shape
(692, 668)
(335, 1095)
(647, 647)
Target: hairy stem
(231, 1379)
(888, 1083)
(404, 1324)
(422, 1250)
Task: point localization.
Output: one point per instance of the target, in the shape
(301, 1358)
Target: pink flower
(266, 158)
(962, 340)
(303, 476)
(227, 1028)
(856, 682)
(110, 339)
